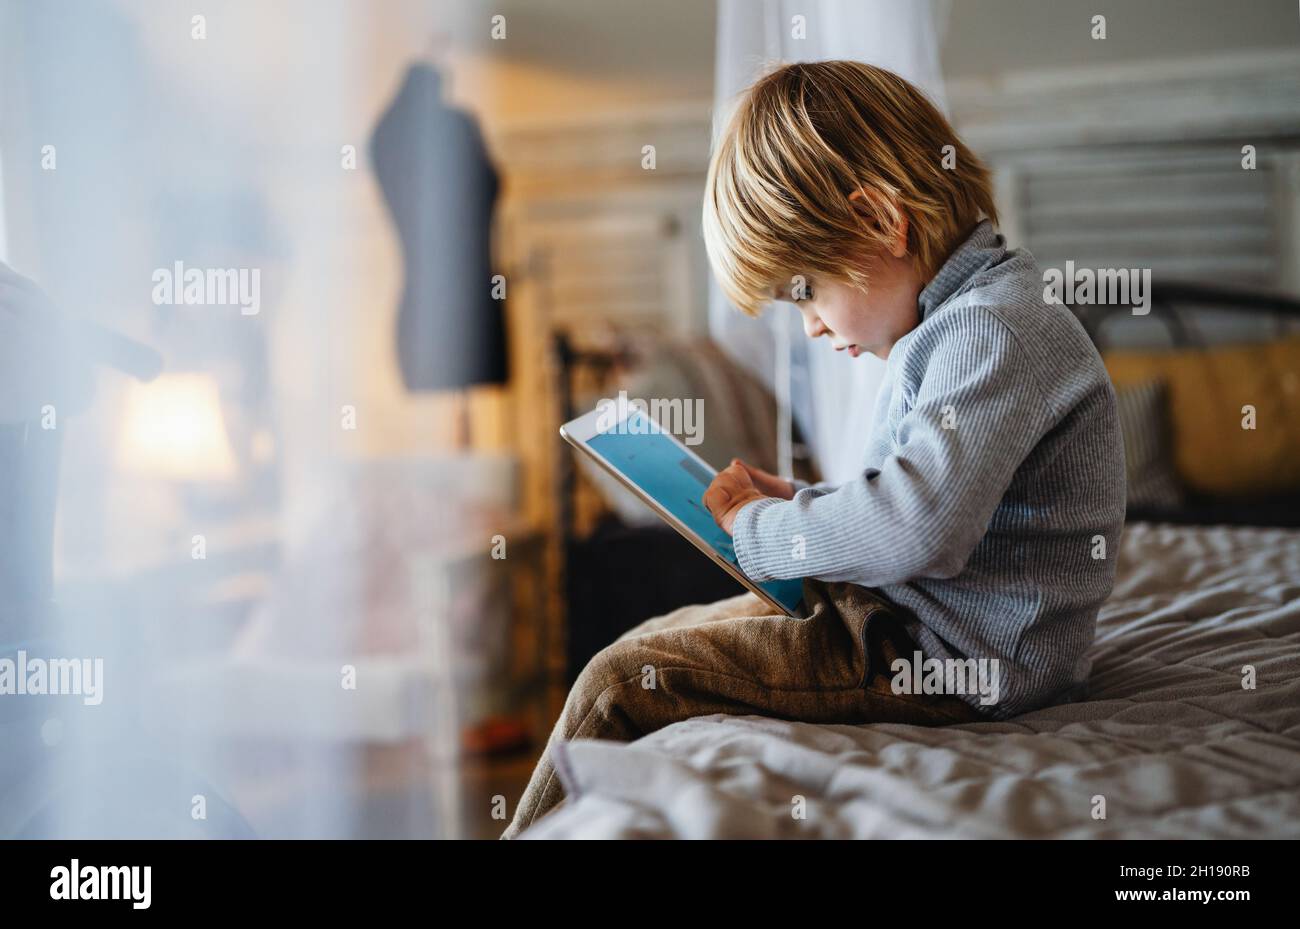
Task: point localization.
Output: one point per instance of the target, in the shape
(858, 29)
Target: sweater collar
(983, 248)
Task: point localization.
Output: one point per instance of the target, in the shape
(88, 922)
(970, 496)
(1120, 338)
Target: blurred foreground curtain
(252, 550)
(830, 394)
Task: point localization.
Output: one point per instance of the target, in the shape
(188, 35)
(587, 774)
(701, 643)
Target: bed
(1191, 730)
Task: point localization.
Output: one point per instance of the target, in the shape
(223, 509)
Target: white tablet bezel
(580, 431)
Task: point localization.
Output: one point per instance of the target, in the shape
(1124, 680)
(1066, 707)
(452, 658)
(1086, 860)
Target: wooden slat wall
(1140, 166)
(1189, 216)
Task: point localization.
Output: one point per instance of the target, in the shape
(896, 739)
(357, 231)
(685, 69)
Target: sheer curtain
(829, 394)
(242, 541)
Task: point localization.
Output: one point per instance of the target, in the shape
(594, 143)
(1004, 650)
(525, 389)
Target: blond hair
(801, 141)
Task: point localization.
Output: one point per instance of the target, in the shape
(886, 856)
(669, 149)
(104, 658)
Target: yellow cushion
(1207, 390)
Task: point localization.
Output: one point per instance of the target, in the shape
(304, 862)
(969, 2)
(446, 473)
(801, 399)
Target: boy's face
(856, 321)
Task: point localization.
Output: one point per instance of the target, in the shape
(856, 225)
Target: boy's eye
(796, 291)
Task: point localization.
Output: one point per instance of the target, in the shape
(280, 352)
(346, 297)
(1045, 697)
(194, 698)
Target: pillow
(1207, 390)
(1148, 448)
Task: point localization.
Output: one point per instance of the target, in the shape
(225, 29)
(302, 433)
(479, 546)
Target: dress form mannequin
(440, 188)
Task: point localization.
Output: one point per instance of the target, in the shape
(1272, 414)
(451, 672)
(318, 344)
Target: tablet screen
(676, 480)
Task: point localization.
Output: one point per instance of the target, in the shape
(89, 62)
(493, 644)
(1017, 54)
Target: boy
(980, 538)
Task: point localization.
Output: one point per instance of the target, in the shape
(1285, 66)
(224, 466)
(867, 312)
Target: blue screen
(676, 481)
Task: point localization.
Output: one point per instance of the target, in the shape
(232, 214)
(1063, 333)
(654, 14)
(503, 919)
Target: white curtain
(264, 603)
(829, 393)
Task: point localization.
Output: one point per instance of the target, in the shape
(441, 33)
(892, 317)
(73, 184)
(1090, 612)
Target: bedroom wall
(1003, 35)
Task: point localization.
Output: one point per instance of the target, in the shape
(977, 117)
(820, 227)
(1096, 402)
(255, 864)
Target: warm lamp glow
(173, 429)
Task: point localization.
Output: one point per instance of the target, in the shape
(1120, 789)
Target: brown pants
(736, 657)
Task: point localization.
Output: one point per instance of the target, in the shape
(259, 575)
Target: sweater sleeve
(976, 413)
(800, 484)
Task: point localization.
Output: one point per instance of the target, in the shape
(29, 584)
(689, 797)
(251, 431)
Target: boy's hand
(739, 484)
(766, 482)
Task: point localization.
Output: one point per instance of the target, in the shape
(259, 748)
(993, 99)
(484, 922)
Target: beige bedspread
(1169, 744)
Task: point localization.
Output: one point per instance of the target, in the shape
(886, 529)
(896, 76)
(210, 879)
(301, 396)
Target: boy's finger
(739, 475)
(716, 497)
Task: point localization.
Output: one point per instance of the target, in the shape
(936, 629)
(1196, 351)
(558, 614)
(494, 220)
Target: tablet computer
(671, 479)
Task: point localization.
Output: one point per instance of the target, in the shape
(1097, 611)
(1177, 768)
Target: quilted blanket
(1191, 730)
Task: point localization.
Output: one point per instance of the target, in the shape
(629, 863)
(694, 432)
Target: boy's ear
(883, 213)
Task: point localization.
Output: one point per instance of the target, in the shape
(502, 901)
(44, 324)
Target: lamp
(173, 429)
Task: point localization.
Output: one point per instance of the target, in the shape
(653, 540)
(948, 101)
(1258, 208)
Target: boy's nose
(813, 326)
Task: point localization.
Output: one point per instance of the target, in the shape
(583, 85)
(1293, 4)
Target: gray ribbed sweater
(993, 496)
